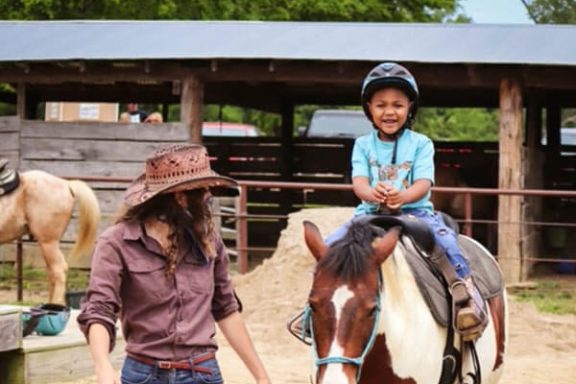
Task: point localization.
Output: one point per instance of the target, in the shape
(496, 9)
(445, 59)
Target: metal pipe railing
(242, 229)
(242, 214)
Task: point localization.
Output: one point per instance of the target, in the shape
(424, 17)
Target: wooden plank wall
(10, 139)
(85, 149)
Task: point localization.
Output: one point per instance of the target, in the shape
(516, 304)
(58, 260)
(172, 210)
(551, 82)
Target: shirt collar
(133, 231)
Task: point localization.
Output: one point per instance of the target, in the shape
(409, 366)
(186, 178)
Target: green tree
(280, 10)
(458, 124)
(551, 11)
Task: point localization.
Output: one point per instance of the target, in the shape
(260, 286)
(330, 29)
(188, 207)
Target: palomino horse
(42, 206)
(369, 322)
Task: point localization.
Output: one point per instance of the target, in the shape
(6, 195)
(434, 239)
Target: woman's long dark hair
(187, 227)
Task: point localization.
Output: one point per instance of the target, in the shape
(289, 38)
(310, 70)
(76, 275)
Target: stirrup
(469, 316)
(477, 325)
(297, 328)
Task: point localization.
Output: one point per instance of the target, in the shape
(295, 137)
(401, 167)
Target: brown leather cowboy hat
(178, 167)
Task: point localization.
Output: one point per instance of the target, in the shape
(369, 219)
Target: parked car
(340, 123)
(228, 129)
(568, 136)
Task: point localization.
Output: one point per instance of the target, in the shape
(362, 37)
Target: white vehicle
(340, 123)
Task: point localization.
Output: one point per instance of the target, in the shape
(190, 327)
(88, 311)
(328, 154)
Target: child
(393, 171)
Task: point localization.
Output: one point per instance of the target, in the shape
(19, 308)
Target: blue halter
(307, 322)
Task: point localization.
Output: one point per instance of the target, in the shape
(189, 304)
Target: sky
(496, 11)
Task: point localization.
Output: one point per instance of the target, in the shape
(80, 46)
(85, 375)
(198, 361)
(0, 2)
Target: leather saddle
(420, 251)
(9, 178)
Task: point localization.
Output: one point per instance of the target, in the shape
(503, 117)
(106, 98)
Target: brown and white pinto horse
(369, 322)
(42, 206)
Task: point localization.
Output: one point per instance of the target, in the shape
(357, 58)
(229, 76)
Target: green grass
(35, 280)
(550, 297)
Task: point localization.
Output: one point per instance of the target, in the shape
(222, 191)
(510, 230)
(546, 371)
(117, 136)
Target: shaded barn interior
(276, 66)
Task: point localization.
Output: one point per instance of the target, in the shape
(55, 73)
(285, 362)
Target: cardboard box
(68, 111)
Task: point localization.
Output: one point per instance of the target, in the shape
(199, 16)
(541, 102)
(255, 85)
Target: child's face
(389, 108)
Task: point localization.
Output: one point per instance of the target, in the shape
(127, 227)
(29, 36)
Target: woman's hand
(107, 375)
(236, 334)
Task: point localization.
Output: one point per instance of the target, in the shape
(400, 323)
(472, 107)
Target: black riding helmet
(390, 75)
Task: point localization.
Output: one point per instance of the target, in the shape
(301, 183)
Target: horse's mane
(349, 257)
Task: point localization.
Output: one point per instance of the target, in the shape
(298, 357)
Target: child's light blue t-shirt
(372, 158)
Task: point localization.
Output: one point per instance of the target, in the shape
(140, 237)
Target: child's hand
(380, 193)
(395, 198)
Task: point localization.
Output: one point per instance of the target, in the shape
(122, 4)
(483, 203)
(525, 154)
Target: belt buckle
(164, 364)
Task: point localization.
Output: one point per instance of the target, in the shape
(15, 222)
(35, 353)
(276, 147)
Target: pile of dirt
(278, 288)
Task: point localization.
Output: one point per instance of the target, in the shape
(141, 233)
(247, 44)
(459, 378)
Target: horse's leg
(57, 271)
(49, 205)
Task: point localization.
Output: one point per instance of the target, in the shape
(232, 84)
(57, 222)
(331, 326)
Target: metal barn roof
(190, 40)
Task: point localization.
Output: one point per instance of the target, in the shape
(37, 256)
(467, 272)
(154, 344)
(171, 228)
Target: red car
(228, 129)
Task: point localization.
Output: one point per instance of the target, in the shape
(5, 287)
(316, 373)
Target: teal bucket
(46, 319)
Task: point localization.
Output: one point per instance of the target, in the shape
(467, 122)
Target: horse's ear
(314, 240)
(384, 245)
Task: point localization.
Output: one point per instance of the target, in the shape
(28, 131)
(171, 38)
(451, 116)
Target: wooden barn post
(287, 153)
(533, 169)
(21, 100)
(191, 106)
(510, 177)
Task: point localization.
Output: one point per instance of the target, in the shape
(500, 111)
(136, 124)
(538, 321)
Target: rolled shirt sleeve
(102, 302)
(224, 301)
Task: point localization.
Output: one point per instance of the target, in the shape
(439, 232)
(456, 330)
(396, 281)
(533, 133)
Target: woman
(163, 270)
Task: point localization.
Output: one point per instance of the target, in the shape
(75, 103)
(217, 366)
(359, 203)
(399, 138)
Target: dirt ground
(541, 347)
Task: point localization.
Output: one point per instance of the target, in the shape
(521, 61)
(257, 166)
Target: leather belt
(182, 364)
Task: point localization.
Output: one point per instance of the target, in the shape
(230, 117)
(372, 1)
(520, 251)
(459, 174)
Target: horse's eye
(313, 303)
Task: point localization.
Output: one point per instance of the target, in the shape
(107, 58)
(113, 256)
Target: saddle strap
(9, 181)
(456, 286)
(3, 164)
(451, 359)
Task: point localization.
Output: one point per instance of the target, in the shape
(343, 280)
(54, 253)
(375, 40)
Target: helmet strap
(394, 137)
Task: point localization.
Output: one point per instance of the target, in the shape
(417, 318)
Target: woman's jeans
(445, 237)
(135, 372)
